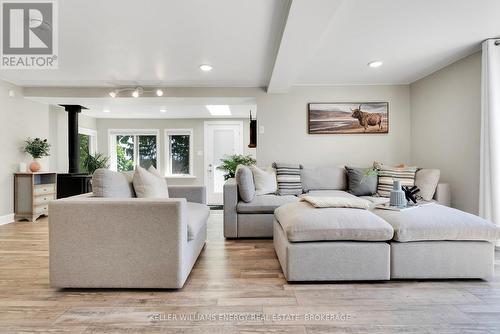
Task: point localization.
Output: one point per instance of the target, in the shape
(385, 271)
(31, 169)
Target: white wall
(19, 119)
(103, 125)
(284, 117)
(445, 127)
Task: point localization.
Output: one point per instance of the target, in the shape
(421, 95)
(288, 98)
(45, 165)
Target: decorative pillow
(149, 183)
(265, 181)
(361, 182)
(427, 180)
(288, 177)
(387, 175)
(107, 183)
(244, 180)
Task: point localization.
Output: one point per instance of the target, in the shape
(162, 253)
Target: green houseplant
(37, 148)
(94, 162)
(230, 163)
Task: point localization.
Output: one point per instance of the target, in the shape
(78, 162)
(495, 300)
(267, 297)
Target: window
(129, 148)
(88, 145)
(179, 152)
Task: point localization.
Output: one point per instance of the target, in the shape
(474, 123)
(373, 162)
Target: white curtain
(489, 184)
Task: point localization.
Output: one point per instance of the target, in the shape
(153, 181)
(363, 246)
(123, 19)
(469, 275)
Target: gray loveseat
(255, 219)
(127, 242)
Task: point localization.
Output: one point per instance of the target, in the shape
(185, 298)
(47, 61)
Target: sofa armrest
(194, 194)
(443, 194)
(124, 243)
(230, 214)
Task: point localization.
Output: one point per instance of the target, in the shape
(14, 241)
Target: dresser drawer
(42, 209)
(43, 199)
(42, 189)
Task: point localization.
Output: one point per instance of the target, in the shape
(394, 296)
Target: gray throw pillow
(244, 180)
(360, 183)
(107, 183)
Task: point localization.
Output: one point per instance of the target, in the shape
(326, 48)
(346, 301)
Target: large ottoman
(331, 244)
(435, 241)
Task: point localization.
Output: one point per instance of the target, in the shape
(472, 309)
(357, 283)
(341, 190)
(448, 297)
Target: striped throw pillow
(288, 178)
(387, 175)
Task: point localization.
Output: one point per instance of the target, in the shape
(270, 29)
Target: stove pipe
(73, 138)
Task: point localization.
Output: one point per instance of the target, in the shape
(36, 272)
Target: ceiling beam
(306, 22)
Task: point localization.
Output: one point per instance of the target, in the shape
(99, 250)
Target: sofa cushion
(197, 217)
(322, 178)
(434, 222)
(264, 180)
(265, 203)
(149, 183)
(427, 180)
(107, 183)
(360, 182)
(302, 222)
(244, 180)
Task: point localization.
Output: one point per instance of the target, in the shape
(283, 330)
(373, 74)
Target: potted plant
(96, 161)
(230, 163)
(37, 148)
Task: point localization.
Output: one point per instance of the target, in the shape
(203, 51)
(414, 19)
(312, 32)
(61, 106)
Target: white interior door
(221, 138)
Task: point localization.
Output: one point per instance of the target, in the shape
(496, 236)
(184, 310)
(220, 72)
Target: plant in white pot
(37, 148)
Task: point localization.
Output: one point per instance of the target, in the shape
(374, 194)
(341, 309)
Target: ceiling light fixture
(163, 110)
(375, 63)
(136, 92)
(205, 67)
(219, 110)
(106, 110)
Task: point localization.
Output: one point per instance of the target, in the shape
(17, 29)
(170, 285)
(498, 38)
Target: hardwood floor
(241, 282)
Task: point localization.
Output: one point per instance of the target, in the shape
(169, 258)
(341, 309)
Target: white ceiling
(260, 43)
(162, 42)
(149, 107)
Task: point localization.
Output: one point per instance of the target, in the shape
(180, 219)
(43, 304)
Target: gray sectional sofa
(433, 241)
(255, 219)
(100, 242)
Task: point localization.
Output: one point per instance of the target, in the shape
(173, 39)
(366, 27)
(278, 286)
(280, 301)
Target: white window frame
(112, 133)
(168, 164)
(93, 138)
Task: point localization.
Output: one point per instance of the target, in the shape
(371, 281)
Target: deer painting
(367, 119)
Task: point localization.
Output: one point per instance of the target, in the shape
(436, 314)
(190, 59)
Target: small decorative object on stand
(398, 198)
(37, 148)
(410, 193)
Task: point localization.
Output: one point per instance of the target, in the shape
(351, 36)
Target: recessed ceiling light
(112, 94)
(106, 110)
(219, 110)
(159, 92)
(205, 67)
(135, 93)
(163, 110)
(375, 63)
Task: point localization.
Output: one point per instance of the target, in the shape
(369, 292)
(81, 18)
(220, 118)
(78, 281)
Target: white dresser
(32, 194)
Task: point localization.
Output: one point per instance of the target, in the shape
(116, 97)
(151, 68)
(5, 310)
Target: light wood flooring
(241, 282)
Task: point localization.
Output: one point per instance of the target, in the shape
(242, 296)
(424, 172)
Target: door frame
(205, 146)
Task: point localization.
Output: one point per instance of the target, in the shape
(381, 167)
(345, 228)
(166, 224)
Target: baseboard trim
(7, 219)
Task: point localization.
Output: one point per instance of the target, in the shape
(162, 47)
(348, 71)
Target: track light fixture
(135, 92)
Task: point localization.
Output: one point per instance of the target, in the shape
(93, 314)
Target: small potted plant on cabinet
(37, 148)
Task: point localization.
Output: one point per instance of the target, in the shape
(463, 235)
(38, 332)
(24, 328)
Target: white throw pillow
(265, 181)
(149, 183)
